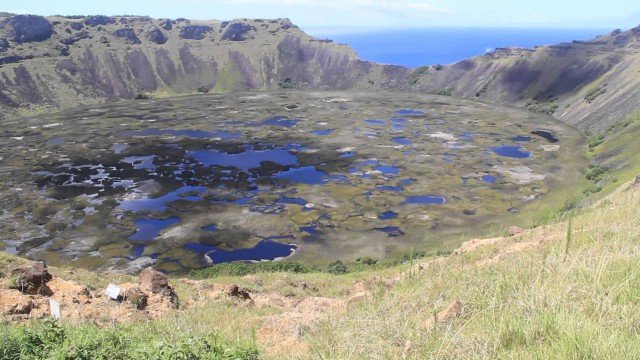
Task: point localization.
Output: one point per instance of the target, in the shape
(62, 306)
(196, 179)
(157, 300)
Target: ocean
(430, 46)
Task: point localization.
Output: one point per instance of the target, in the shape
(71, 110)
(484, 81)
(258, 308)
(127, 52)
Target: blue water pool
(425, 199)
(511, 151)
(150, 228)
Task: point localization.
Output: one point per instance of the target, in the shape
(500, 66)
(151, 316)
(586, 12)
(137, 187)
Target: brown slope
(59, 62)
(589, 84)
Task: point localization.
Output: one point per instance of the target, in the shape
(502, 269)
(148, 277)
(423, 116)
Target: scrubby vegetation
(51, 340)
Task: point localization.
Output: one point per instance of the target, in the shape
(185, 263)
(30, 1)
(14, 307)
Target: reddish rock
(515, 230)
(136, 297)
(238, 292)
(30, 278)
(24, 306)
(153, 280)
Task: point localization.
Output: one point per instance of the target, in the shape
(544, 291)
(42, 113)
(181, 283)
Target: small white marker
(113, 291)
(55, 307)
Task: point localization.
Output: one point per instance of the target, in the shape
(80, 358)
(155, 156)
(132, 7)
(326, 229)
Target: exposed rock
(4, 44)
(76, 26)
(515, 230)
(237, 32)
(28, 28)
(157, 36)
(75, 38)
(128, 34)
(452, 311)
(167, 25)
(136, 297)
(23, 306)
(238, 292)
(153, 280)
(98, 20)
(195, 32)
(170, 294)
(30, 278)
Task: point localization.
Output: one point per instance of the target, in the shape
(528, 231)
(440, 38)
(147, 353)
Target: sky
(363, 15)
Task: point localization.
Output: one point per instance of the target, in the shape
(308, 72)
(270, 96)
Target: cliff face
(589, 84)
(59, 62)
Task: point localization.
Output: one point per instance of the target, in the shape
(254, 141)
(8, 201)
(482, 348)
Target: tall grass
(536, 304)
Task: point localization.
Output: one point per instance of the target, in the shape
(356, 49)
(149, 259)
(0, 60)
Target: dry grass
(562, 299)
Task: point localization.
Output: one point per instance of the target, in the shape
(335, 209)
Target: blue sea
(430, 46)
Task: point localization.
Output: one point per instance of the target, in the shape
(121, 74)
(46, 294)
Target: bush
(51, 340)
(337, 268)
(241, 269)
(595, 172)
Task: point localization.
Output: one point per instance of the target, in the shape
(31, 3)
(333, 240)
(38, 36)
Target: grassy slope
(574, 296)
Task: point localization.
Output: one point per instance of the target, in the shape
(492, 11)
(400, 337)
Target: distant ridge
(60, 62)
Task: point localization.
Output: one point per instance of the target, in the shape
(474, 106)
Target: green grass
(572, 299)
(51, 340)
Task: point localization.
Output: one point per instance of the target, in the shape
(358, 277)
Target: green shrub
(416, 74)
(51, 340)
(241, 269)
(595, 172)
(337, 268)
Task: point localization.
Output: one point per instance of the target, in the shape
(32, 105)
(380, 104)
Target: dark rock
(224, 24)
(195, 32)
(238, 292)
(237, 32)
(170, 294)
(77, 37)
(98, 20)
(136, 297)
(469, 212)
(28, 28)
(157, 36)
(76, 26)
(30, 278)
(14, 59)
(167, 25)
(4, 44)
(153, 280)
(128, 34)
(286, 24)
(22, 307)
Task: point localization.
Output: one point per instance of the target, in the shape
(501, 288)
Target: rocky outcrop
(237, 32)
(195, 32)
(30, 278)
(129, 35)
(157, 36)
(28, 28)
(97, 20)
(153, 280)
(85, 64)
